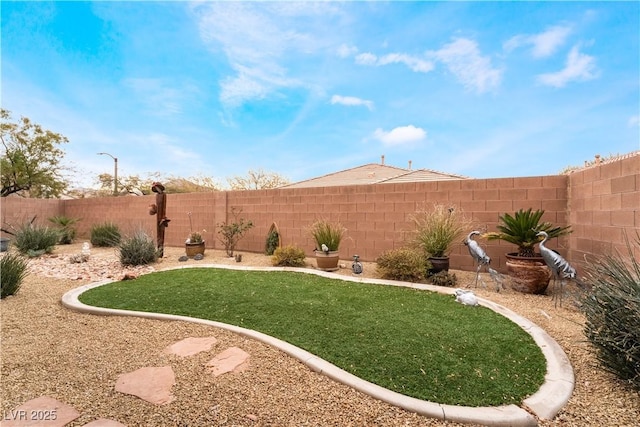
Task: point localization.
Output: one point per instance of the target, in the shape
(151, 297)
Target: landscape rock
(190, 346)
(152, 384)
(233, 359)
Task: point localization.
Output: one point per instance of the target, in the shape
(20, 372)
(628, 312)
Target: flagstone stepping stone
(104, 422)
(190, 346)
(152, 384)
(233, 359)
(42, 411)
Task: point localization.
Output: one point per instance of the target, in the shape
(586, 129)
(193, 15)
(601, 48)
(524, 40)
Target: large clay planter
(194, 248)
(327, 262)
(438, 264)
(529, 275)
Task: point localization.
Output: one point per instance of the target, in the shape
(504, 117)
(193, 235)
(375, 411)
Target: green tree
(30, 163)
(257, 180)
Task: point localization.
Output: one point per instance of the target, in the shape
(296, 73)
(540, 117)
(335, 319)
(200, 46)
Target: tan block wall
(604, 207)
(600, 203)
(16, 211)
(376, 216)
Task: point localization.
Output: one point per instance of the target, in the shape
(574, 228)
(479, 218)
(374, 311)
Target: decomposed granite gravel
(76, 358)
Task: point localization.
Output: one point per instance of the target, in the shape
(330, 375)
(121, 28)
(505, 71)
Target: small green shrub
(14, 270)
(612, 311)
(402, 264)
(33, 240)
(444, 278)
(105, 235)
(65, 228)
(288, 256)
(231, 233)
(273, 239)
(138, 249)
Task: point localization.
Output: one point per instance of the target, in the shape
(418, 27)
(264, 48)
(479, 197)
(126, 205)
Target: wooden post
(160, 210)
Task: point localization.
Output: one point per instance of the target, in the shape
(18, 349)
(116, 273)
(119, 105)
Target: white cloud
(401, 135)
(366, 59)
(462, 57)
(345, 51)
(543, 44)
(413, 63)
(634, 121)
(161, 97)
(351, 101)
(578, 67)
(257, 38)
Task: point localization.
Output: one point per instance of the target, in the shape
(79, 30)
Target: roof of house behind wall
(374, 173)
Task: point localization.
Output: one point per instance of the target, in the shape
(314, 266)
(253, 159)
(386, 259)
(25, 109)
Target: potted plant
(327, 237)
(434, 232)
(527, 269)
(195, 243)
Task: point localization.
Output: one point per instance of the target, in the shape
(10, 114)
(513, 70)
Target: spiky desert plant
(13, 268)
(612, 311)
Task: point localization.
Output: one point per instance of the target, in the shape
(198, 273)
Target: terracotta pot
(327, 262)
(438, 264)
(529, 275)
(194, 248)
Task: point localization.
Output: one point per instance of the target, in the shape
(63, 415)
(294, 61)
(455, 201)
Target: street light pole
(115, 173)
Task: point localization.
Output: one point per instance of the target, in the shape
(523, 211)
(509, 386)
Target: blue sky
(481, 89)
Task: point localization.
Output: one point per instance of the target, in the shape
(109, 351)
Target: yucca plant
(105, 235)
(14, 270)
(521, 229)
(612, 312)
(138, 249)
(33, 240)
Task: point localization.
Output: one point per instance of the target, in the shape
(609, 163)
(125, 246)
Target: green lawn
(418, 343)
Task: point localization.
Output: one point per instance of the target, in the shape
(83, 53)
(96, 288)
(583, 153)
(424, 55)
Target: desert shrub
(612, 311)
(288, 256)
(271, 244)
(229, 233)
(402, 264)
(33, 240)
(65, 228)
(138, 249)
(14, 270)
(444, 278)
(105, 235)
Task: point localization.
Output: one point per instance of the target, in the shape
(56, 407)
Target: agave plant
(521, 229)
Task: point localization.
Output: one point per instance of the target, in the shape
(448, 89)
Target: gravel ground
(76, 358)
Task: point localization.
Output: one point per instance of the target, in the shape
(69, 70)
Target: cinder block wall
(16, 211)
(604, 206)
(599, 202)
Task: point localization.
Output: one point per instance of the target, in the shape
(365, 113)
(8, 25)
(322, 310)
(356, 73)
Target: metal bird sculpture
(559, 266)
(477, 253)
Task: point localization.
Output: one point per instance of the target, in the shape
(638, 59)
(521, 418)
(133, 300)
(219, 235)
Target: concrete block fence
(602, 203)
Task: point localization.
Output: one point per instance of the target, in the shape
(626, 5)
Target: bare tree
(257, 180)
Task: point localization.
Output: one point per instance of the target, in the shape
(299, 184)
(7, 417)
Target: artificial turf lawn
(418, 343)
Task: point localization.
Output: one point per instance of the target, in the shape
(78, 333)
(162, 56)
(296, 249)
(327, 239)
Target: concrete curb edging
(545, 403)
